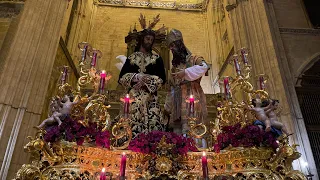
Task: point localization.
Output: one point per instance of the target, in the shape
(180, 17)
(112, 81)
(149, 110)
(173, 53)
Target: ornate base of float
(69, 161)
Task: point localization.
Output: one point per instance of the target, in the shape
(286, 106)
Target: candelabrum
(90, 75)
(121, 131)
(196, 130)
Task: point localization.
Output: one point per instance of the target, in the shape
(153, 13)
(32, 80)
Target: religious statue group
(143, 74)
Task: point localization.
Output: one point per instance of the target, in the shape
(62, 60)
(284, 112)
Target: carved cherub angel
(260, 112)
(59, 109)
(272, 115)
(55, 113)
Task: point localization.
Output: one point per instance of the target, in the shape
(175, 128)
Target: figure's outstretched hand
(179, 74)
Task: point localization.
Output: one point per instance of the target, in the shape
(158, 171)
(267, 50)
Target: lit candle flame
(103, 74)
(191, 96)
(103, 170)
(123, 153)
(127, 96)
(203, 153)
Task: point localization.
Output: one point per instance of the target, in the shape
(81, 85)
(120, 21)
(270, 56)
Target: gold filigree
(85, 161)
(163, 164)
(122, 134)
(37, 145)
(142, 60)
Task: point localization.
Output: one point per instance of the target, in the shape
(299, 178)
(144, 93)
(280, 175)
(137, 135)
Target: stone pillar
(25, 69)
(255, 27)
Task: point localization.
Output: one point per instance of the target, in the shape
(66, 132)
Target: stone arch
(305, 66)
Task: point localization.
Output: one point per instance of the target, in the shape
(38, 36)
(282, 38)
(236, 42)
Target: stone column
(25, 69)
(255, 27)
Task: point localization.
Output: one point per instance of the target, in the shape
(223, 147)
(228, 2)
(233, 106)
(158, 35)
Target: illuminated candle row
(123, 163)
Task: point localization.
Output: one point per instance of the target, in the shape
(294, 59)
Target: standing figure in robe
(143, 74)
(186, 75)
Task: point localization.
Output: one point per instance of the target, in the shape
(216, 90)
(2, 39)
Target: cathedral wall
(301, 42)
(291, 13)
(300, 50)
(4, 26)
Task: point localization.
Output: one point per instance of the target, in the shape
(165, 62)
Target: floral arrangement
(148, 143)
(248, 136)
(73, 131)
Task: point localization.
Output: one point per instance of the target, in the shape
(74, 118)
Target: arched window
(312, 8)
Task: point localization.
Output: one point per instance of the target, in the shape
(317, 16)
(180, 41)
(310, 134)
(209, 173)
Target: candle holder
(197, 130)
(85, 48)
(236, 62)
(89, 74)
(225, 86)
(244, 52)
(63, 87)
(126, 102)
(262, 81)
(64, 75)
(94, 54)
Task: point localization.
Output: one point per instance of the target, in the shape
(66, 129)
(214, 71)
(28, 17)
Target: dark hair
(141, 36)
(264, 103)
(274, 101)
(253, 102)
(181, 55)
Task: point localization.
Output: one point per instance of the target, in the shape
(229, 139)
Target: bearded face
(147, 42)
(179, 52)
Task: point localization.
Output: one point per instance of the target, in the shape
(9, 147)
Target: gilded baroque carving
(155, 4)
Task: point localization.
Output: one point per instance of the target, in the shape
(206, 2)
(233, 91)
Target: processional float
(79, 140)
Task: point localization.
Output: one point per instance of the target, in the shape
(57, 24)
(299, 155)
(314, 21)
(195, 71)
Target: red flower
(148, 143)
(248, 136)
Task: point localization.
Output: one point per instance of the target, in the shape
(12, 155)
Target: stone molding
(314, 32)
(9, 9)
